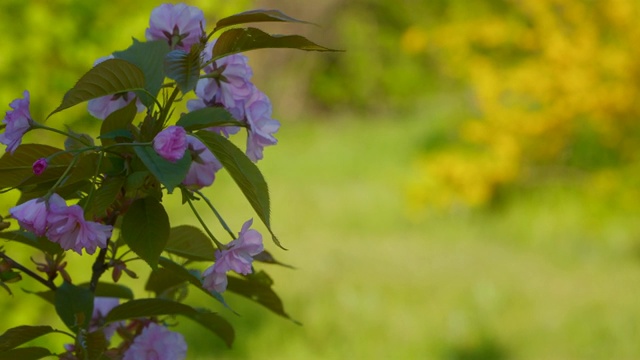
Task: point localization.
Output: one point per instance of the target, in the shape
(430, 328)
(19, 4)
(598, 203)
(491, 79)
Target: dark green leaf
(28, 238)
(239, 40)
(267, 258)
(207, 117)
(16, 169)
(109, 77)
(74, 305)
(157, 307)
(259, 292)
(184, 274)
(22, 334)
(184, 68)
(191, 243)
(145, 228)
(111, 290)
(117, 123)
(149, 57)
(244, 172)
(71, 143)
(120, 133)
(162, 280)
(97, 344)
(168, 173)
(71, 191)
(27, 353)
(255, 16)
(105, 195)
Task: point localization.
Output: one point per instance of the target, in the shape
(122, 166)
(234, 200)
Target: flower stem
(30, 273)
(219, 245)
(37, 125)
(220, 219)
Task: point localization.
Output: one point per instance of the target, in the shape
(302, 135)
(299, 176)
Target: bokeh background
(461, 183)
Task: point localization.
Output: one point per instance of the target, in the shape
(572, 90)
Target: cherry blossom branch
(14, 264)
(100, 265)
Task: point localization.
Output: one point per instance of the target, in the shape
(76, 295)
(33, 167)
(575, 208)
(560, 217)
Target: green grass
(548, 275)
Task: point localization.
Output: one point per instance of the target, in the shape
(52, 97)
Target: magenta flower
(102, 107)
(67, 227)
(181, 25)
(18, 122)
(238, 256)
(171, 143)
(261, 125)
(32, 215)
(101, 308)
(40, 166)
(158, 343)
(204, 165)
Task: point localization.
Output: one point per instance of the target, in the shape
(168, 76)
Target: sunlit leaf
(244, 172)
(149, 57)
(207, 117)
(168, 173)
(184, 68)
(145, 228)
(240, 40)
(255, 16)
(74, 305)
(191, 243)
(109, 77)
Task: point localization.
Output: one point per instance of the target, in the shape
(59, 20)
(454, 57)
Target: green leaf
(71, 143)
(149, 57)
(184, 68)
(97, 344)
(244, 172)
(267, 258)
(239, 40)
(19, 335)
(28, 238)
(16, 169)
(111, 76)
(27, 353)
(190, 243)
(145, 228)
(255, 16)
(207, 117)
(168, 173)
(157, 307)
(162, 281)
(74, 305)
(116, 123)
(106, 195)
(183, 273)
(259, 292)
(111, 290)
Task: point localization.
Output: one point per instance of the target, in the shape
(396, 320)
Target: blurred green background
(461, 183)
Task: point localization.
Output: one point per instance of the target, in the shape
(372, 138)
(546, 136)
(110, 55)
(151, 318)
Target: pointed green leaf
(239, 40)
(74, 305)
(119, 120)
(109, 77)
(145, 228)
(22, 334)
(30, 239)
(111, 290)
(255, 16)
(106, 195)
(168, 173)
(161, 281)
(259, 292)
(184, 68)
(149, 57)
(207, 117)
(190, 243)
(266, 257)
(16, 169)
(244, 172)
(27, 353)
(157, 307)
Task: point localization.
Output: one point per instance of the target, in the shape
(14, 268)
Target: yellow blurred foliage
(555, 86)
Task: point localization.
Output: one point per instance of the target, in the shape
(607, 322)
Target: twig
(39, 278)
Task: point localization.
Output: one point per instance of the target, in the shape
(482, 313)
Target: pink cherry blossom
(156, 342)
(261, 125)
(180, 25)
(40, 166)
(32, 215)
(18, 122)
(101, 308)
(67, 227)
(171, 143)
(204, 165)
(232, 88)
(102, 107)
(238, 256)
